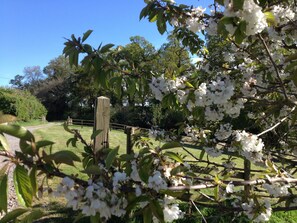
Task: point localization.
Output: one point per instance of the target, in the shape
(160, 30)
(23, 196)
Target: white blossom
(251, 146)
(156, 182)
(230, 188)
(277, 189)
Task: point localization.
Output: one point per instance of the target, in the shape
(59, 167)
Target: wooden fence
(101, 122)
(86, 122)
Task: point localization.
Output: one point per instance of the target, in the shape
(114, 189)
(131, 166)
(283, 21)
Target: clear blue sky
(33, 31)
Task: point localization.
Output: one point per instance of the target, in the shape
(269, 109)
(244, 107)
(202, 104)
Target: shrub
(21, 104)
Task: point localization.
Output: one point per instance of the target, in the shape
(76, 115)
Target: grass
(30, 123)
(56, 207)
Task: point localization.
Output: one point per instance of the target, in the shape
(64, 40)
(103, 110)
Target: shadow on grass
(57, 213)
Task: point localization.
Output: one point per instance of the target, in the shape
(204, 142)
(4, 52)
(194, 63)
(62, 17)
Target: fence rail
(128, 130)
(88, 122)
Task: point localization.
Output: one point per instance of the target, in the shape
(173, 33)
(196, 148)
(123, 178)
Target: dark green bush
(21, 104)
(133, 116)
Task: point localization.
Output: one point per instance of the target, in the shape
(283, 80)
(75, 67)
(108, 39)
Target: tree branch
(275, 67)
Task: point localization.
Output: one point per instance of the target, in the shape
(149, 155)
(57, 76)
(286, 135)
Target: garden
(222, 140)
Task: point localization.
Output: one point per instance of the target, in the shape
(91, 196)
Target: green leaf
(239, 34)
(95, 219)
(33, 180)
(174, 156)
(65, 156)
(188, 84)
(291, 66)
(154, 18)
(86, 35)
(93, 169)
(178, 169)
(145, 168)
(106, 48)
(3, 193)
(238, 4)
(216, 192)
(143, 173)
(221, 25)
(147, 215)
(111, 157)
(143, 13)
(43, 143)
(32, 216)
(12, 216)
(133, 203)
(171, 145)
(87, 48)
(79, 217)
(202, 154)
(23, 186)
(3, 143)
(157, 210)
(126, 157)
(270, 18)
(26, 147)
(131, 88)
(161, 22)
(17, 131)
(96, 133)
(72, 141)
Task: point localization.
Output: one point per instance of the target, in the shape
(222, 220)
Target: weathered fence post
(69, 121)
(102, 118)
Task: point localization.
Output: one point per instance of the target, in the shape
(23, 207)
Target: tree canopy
(239, 104)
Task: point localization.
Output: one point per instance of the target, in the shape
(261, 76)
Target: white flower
(251, 146)
(88, 211)
(230, 188)
(277, 190)
(255, 18)
(68, 182)
(89, 192)
(156, 182)
(134, 174)
(224, 132)
(172, 212)
(138, 191)
(214, 152)
(251, 13)
(256, 213)
(282, 14)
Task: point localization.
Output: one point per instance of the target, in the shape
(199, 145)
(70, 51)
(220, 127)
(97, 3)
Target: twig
(277, 124)
(275, 67)
(199, 211)
(236, 183)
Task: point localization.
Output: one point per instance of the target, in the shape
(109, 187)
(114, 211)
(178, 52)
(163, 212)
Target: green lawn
(30, 123)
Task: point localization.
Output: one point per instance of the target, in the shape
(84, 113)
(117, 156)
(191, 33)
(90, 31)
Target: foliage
(239, 105)
(133, 116)
(21, 104)
(30, 80)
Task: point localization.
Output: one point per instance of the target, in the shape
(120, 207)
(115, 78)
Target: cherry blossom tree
(241, 108)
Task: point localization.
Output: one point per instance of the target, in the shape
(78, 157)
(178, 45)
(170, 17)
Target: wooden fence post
(102, 119)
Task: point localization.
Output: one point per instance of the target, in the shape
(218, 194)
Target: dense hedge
(21, 104)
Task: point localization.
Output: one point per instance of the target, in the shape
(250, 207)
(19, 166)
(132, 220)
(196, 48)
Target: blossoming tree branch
(240, 104)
